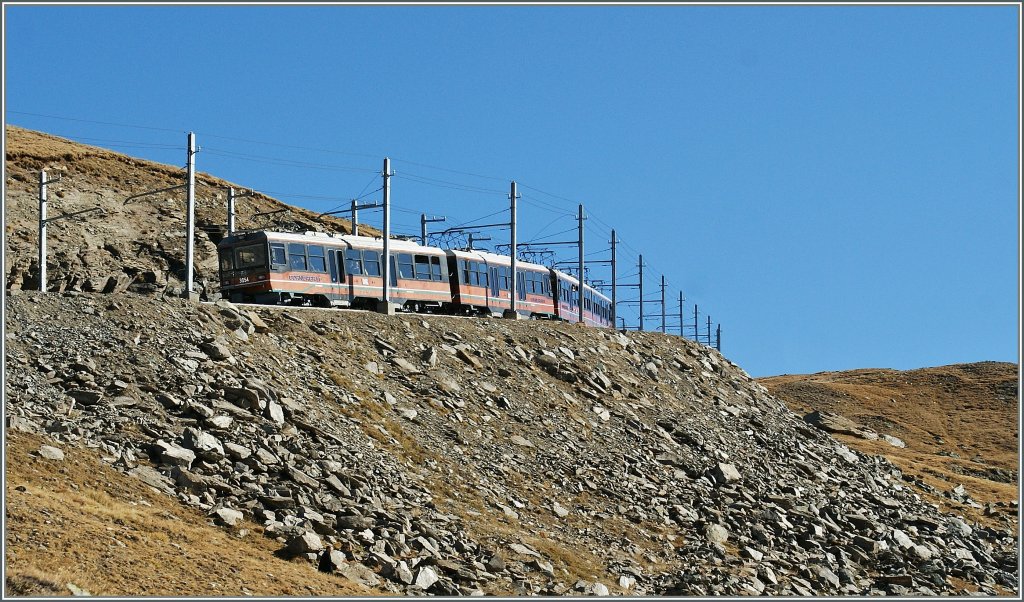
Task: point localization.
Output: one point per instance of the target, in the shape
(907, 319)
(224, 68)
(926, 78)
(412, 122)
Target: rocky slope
(452, 456)
(139, 245)
(439, 455)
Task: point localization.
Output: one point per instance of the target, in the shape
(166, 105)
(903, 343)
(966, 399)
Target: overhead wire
(139, 127)
(283, 162)
(465, 173)
(550, 235)
(123, 143)
(291, 146)
(446, 184)
(546, 226)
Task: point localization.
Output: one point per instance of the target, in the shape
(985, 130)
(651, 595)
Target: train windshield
(250, 256)
(225, 260)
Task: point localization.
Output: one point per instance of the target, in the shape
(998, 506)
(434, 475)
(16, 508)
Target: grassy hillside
(959, 423)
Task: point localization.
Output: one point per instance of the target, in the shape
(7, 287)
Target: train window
(250, 256)
(476, 274)
(405, 265)
(225, 260)
(316, 258)
(354, 261)
(371, 262)
(297, 256)
(277, 256)
(422, 267)
(435, 268)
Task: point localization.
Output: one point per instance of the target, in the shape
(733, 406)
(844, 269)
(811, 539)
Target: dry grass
(959, 423)
(79, 521)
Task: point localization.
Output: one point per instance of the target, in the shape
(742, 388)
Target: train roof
(363, 242)
(573, 281)
(496, 259)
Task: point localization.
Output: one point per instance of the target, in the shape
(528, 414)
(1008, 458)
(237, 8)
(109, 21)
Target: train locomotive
(334, 270)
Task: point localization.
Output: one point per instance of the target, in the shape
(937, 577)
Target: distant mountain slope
(959, 422)
(142, 242)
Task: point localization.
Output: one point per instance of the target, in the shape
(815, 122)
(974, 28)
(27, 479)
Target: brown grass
(959, 423)
(79, 521)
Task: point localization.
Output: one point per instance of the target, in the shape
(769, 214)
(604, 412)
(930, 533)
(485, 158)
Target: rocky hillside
(438, 455)
(453, 456)
(138, 245)
(952, 427)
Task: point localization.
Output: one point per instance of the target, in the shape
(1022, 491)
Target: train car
(481, 284)
(596, 307)
(314, 268)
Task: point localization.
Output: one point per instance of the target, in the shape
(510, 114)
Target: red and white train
(329, 270)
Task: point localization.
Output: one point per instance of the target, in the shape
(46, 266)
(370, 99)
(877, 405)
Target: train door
(521, 285)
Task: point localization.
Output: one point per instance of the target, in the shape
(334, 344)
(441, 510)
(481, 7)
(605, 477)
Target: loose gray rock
(716, 533)
(726, 473)
(229, 516)
(216, 350)
(307, 542)
(51, 453)
(85, 397)
(426, 577)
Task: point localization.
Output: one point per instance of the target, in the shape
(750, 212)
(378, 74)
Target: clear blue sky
(836, 186)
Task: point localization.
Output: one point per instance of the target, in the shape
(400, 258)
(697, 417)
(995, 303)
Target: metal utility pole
(513, 251)
(680, 313)
(231, 206)
(718, 338)
(42, 228)
(190, 219)
(640, 264)
(709, 331)
(424, 220)
(614, 286)
(662, 304)
(696, 327)
(385, 259)
(581, 218)
(43, 221)
(355, 218)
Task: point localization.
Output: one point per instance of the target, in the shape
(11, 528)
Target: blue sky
(836, 186)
